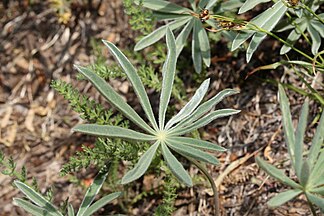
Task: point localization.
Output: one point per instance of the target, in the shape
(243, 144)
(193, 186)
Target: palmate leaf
(113, 98)
(37, 198)
(175, 166)
(191, 105)
(283, 197)
(276, 173)
(168, 72)
(266, 20)
(112, 131)
(135, 81)
(191, 152)
(91, 193)
(142, 165)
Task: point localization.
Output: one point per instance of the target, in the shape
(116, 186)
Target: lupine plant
(188, 20)
(308, 169)
(40, 206)
(166, 137)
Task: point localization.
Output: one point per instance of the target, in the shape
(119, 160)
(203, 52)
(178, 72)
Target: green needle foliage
(165, 136)
(309, 170)
(188, 20)
(40, 206)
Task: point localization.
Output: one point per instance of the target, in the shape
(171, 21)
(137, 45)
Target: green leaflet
(191, 152)
(101, 203)
(168, 72)
(299, 141)
(196, 143)
(183, 36)
(37, 199)
(283, 197)
(316, 142)
(276, 173)
(142, 165)
(191, 105)
(159, 33)
(287, 123)
(31, 208)
(175, 166)
(113, 98)
(112, 131)
(163, 6)
(135, 80)
(91, 193)
(249, 4)
(195, 47)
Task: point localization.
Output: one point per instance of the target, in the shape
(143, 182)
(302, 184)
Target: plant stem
(313, 13)
(212, 183)
(311, 206)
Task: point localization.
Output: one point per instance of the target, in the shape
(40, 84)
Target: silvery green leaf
(113, 98)
(202, 3)
(203, 44)
(205, 120)
(283, 197)
(183, 36)
(206, 107)
(195, 47)
(101, 203)
(112, 132)
(299, 139)
(304, 173)
(317, 174)
(319, 201)
(299, 12)
(135, 81)
(91, 193)
(197, 143)
(210, 4)
(287, 123)
(37, 198)
(70, 210)
(168, 72)
(249, 4)
(175, 166)
(30, 208)
(318, 26)
(169, 16)
(266, 20)
(318, 190)
(191, 152)
(191, 105)
(276, 173)
(254, 44)
(230, 5)
(162, 6)
(141, 166)
(293, 37)
(316, 39)
(159, 33)
(316, 143)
